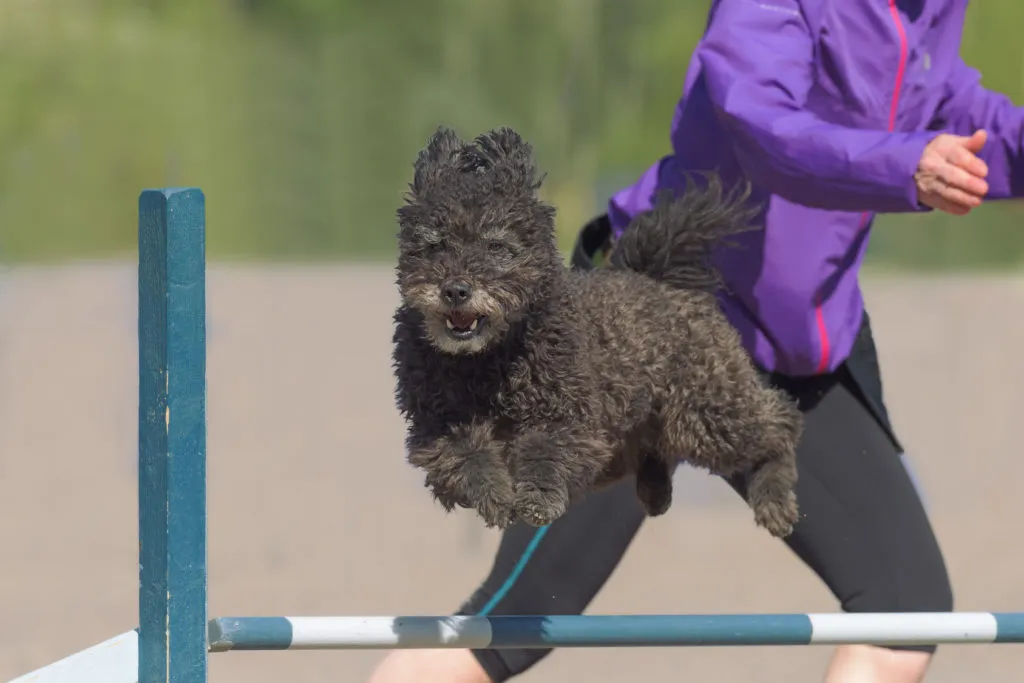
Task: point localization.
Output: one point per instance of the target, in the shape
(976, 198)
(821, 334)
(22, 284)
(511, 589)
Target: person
(834, 112)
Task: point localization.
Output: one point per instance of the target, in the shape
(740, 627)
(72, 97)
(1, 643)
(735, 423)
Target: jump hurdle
(175, 637)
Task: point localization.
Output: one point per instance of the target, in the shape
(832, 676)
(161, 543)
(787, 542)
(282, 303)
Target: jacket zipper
(894, 107)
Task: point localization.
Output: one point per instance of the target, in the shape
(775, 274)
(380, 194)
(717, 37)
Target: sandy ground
(312, 510)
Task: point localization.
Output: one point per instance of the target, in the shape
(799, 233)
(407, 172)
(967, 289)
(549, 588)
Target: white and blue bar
(117, 660)
(500, 632)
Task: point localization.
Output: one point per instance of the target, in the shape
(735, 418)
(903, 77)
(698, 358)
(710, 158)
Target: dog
(526, 384)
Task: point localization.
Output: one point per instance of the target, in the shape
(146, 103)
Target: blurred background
(300, 120)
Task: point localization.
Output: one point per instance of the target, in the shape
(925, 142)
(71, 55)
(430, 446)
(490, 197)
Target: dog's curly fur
(526, 384)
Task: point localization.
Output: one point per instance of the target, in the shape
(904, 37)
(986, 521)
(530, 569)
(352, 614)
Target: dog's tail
(674, 241)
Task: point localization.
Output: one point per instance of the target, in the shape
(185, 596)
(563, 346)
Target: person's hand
(950, 177)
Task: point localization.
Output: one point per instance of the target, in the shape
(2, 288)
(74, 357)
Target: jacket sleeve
(967, 107)
(758, 60)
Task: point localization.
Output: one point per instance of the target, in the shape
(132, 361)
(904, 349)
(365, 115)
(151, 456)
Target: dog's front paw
(466, 469)
(481, 485)
(537, 506)
(448, 499)
(494, 504)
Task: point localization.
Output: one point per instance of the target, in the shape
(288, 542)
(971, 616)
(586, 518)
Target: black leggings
(863, 529)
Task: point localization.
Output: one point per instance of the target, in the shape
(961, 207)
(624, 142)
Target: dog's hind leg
(750, 431)
(654, 484)
(770, 495)
(552, 467)
(776, 425)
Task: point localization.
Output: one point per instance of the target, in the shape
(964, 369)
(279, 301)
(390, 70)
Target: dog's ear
(439, 154)
(510, 157)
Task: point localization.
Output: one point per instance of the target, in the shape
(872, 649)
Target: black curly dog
(526, 384)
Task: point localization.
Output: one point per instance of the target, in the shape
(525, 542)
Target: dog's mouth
(463, 325)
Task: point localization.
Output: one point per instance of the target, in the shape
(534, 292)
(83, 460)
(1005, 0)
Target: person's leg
(556, 569)
(863, 529)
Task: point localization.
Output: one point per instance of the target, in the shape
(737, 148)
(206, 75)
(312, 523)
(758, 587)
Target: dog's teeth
(449, 323)
(473, 325)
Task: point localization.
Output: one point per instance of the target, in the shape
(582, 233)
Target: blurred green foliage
(300, 118)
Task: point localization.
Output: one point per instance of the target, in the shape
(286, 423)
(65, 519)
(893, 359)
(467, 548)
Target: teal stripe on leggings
(531, 547)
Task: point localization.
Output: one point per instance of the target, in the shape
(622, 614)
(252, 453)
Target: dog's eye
(499, 248)
(432, 248)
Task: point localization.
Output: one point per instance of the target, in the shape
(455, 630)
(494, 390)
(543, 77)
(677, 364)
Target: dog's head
(476, 245)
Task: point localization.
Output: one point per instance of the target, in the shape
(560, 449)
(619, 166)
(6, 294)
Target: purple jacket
(826, 107)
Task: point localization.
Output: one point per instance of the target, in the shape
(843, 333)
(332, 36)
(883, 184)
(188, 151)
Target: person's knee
(926, 589)
(923, 588)
(933, 596)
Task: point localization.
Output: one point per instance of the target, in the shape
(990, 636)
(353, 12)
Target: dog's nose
(456, 292)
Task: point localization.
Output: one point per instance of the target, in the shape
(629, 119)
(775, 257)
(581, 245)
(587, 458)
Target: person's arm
(968, 107)
(758, 59)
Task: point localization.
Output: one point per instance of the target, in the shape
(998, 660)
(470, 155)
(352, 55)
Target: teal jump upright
(172, 437)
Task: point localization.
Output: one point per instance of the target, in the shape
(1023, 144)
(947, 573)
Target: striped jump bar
(498, 632)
